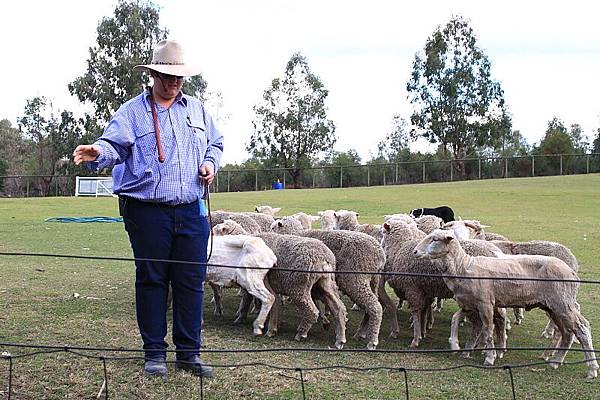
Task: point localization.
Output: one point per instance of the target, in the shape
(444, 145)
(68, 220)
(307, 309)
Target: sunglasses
(169, 77)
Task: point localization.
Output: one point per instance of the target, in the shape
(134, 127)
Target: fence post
(256, 181)
(423, 171)
(396, 181)
(368, 175)
(561, 168)
(587, 166)
(506, 167)
(313, 186)
(451, 172)
(532, 165)
(284, 185)
(479, 168)
(27, 187)
(341, 173)
(217, 182)
(228, 179)
(383, 176)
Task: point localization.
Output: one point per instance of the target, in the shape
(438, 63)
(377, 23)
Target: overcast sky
(546, 55)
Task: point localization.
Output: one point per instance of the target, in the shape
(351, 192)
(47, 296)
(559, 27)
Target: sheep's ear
(256, 209)
(335, 214)
(386, 226)
(276, 210)
(448, 237)
(320, 213)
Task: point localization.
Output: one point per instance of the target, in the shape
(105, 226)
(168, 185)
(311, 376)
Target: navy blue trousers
(170, 233)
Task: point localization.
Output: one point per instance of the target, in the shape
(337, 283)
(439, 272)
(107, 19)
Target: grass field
(38, 306)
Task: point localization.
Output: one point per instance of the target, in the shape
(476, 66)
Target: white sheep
(305, 219)
(248, 253)
(327, 219)
(268, 210)
(556, 297)
(348, 220)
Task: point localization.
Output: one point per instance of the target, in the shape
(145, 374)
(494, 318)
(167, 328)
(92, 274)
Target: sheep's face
(327, 219)
(286, 225)
(228, 227)
(435, 245)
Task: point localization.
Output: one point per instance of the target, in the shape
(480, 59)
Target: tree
(580, 144)
(123, 41)
(596, 143)
(51, 139)
(556, 140)
(456, 103)
(395, 145)
(347, 163)
(291, 124)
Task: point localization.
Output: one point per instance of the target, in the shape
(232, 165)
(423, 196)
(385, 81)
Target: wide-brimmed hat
(168, 58)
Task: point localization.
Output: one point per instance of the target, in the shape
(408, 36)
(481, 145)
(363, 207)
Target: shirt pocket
(198, 129)
(145, 140)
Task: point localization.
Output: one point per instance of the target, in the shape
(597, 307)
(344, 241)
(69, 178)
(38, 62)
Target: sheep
(558, 298)
(429, 223)
(305, 219)
(245, 252)
(465, 229)
(399, 239)
(267, 210)
(494, 236)
(542, 248)
(407, 219)
(306, 254)
(263, 220)
(250, 226)
(354, 251)
(348, 220)
(444, 212)
(327, 219)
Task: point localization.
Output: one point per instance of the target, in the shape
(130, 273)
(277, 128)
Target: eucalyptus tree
(456, 102)
(290, 124)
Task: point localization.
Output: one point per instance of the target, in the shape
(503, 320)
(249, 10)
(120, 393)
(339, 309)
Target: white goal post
(94, 186)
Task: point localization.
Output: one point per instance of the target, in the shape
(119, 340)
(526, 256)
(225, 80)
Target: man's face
(167, 86)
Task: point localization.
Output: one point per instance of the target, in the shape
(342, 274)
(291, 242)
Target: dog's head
(416, 212)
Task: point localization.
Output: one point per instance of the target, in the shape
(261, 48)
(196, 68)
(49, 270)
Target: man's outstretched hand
(86, 152)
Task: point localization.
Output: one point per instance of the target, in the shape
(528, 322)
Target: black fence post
(403, 370)
(302, 383)
(512, 382)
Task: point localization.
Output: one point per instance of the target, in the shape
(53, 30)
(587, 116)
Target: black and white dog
(444, 212)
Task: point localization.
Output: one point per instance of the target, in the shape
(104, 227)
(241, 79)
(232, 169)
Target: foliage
(14, 148)
(291, 124)
(51, 139)
(456, 103)
(395, 145)
(124, 41)
(348, 164)
(556, 140)
(596, 142)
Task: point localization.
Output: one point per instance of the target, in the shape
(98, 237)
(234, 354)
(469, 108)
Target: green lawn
(38, 305)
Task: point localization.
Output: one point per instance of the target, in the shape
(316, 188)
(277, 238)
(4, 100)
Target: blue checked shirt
(189, 139)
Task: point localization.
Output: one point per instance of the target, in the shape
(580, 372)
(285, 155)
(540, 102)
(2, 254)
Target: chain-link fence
(347, 176)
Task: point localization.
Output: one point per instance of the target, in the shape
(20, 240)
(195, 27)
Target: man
(164, 148)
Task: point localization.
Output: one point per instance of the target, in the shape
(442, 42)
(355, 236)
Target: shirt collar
(181, 98)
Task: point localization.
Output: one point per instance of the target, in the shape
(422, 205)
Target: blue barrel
(277, 185)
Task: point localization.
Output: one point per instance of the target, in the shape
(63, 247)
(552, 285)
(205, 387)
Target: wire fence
(100, 353)
(376, 174)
